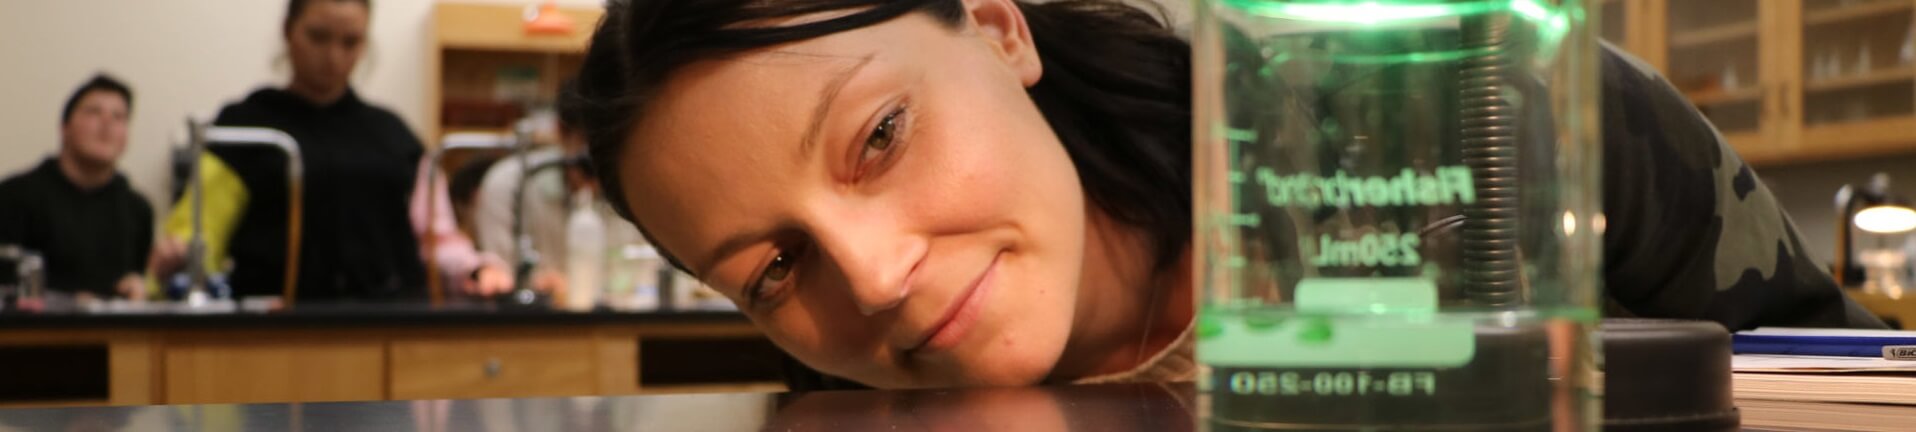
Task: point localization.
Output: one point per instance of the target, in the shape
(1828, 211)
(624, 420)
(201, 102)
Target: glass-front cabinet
(1716, 52)
(1784, 80)
(1858, 72)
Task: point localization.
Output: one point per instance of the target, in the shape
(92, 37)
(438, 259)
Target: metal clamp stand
(200, 137)
(524, 258)
(30, 270)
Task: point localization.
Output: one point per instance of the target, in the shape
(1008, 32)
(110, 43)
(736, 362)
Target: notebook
(1876, 388)
(1819, 342)
(1852, 379)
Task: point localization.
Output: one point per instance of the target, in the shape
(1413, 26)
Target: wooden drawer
(291, 371)
(493, 367)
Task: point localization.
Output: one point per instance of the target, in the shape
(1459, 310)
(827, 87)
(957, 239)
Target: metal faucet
(29, 268)
(519, 142)
(204, 135)
(519, 233)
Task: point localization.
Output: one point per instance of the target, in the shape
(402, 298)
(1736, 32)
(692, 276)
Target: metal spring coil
(1491, 264)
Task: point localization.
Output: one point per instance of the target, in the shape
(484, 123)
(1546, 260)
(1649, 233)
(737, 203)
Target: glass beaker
(1398, 214)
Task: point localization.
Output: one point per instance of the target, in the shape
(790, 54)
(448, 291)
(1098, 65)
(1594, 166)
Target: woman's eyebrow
(825, 97)
(731, 245)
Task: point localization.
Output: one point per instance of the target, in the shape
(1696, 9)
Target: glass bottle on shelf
(1820, 64)
(1907, 54)
(1863, 65)
(1832, 62)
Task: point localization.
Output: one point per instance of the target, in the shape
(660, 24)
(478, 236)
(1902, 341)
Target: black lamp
(1872, 209)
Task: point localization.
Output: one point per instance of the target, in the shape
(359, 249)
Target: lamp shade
(1886, 219)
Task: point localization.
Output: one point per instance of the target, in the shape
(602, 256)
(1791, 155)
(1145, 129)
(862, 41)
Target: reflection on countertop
(322, 352)
(267, 312)
(1129, 407)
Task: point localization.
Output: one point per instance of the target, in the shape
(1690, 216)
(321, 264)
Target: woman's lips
(963, 314)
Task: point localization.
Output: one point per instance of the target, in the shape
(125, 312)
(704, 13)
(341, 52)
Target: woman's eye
(776, 276)
(778, 270)
(882, 138)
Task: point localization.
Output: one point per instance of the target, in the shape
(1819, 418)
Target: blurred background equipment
(1874, 260)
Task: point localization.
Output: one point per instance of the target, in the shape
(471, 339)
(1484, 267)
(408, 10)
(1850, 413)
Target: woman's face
(886, 203)
(325, 43)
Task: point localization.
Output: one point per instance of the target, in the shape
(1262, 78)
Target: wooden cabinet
(493, 367)
(279, 362)
(277, 371)
(500, 27)
(77, 368)
(486, 70)
(1715, 54)
(1857, 69)
(1785, 81)
(1629, 25)
(1899, 311)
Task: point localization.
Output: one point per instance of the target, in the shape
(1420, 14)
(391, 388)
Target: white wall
(182, 57)
(189, 57)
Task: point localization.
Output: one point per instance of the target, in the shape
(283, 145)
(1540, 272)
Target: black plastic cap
(1667, 375)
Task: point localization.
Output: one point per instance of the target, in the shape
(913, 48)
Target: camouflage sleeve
(1691, 231)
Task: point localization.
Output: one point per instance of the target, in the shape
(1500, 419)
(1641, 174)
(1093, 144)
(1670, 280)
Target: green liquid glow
(1555, 21)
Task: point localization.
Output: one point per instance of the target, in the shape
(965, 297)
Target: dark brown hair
(1116, 88)
(99, 83)
(297, 8)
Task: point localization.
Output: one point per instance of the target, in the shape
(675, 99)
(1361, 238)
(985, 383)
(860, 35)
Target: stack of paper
(1788, 415)
(1865, 393)
(1824, 378)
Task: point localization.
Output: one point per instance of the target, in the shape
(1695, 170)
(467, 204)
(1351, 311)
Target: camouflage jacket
(1691, 231)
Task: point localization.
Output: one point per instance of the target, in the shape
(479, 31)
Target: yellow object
(226, 199)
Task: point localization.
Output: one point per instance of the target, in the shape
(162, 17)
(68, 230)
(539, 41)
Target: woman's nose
(877, 259)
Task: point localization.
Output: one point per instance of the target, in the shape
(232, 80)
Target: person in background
(76, 209)
(365, 196)
(463, 184)
(547, 201)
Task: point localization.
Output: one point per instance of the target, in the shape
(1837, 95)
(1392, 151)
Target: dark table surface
(231, 315)
(1148, 407)
(1103, 408)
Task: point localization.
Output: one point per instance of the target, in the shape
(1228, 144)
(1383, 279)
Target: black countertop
(1148, 407)
(1104, 408)
(173, 315)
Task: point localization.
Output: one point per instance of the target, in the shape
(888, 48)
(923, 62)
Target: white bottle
(1730, 81)
(585, 253)
(646, 266)
(1863, 66)
(1907, 54)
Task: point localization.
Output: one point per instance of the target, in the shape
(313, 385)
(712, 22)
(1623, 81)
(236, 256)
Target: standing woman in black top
(361, 209)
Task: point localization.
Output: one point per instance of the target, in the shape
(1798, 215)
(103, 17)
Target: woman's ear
(1002, 26)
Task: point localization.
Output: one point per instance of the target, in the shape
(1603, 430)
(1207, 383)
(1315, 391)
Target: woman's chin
(1001, 367)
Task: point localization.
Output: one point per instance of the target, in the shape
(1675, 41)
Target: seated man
(75, 209)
